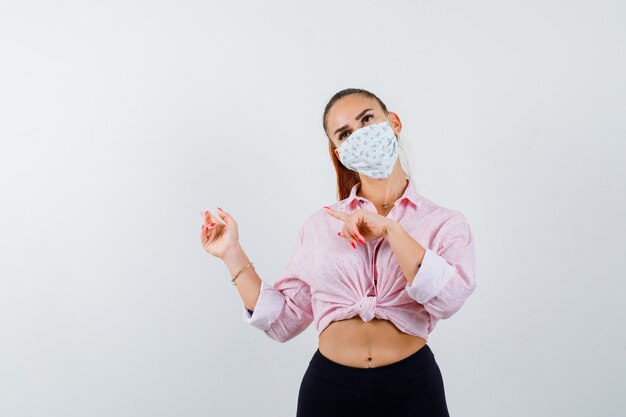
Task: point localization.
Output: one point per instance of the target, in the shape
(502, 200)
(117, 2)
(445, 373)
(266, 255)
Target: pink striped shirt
(326, 279)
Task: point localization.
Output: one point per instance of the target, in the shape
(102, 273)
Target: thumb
(227, 218)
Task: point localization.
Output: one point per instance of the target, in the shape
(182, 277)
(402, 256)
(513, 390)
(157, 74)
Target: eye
(364, 119)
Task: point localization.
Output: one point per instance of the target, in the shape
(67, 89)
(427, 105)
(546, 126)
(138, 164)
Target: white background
(121, 121)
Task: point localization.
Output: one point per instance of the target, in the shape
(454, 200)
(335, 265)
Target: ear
(395, 123)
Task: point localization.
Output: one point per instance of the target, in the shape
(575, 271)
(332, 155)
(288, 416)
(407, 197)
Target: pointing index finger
(335, 213)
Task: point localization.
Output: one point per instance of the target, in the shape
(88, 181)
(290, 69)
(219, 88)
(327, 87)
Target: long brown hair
(346, 178)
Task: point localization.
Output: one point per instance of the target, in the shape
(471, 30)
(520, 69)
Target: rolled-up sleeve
(446, 277)
(283, 310)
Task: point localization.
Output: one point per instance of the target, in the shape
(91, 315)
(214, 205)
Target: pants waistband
(378, 376)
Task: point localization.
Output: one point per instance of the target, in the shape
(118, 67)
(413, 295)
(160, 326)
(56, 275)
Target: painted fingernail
(338, 233)
(353, 244)
(203, 226)
(212, 224)
(326, 207)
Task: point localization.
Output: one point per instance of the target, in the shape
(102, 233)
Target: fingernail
(212, 224)
(220, 209)
(353, 244)
(203, 227)
(338, 233)
(326, 207)
(206, 212)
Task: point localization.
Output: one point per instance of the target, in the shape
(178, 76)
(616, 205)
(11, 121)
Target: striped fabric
(326, 279)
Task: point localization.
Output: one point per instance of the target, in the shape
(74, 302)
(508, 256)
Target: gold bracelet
(240, 271)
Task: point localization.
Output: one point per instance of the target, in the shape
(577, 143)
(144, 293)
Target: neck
(383, 191)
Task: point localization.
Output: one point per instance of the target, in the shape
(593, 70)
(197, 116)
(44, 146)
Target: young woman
(374, 271)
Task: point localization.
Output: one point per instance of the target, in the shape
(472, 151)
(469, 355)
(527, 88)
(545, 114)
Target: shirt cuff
(431, 277)
(267, 309)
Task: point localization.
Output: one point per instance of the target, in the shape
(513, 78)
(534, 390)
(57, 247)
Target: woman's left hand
(361, 225)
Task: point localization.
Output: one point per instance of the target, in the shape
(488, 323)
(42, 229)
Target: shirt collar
(410, 193)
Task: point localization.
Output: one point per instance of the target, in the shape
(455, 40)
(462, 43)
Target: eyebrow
(357, 117)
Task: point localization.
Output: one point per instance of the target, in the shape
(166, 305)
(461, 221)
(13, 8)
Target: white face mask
(371, 150)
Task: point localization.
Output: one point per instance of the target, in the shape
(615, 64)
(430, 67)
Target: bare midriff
(354, 342)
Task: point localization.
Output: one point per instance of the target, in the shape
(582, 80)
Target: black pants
(410, 387)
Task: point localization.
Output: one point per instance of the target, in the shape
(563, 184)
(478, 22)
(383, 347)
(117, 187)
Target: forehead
(345, 109)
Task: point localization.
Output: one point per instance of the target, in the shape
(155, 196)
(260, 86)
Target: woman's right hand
(220, 237)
